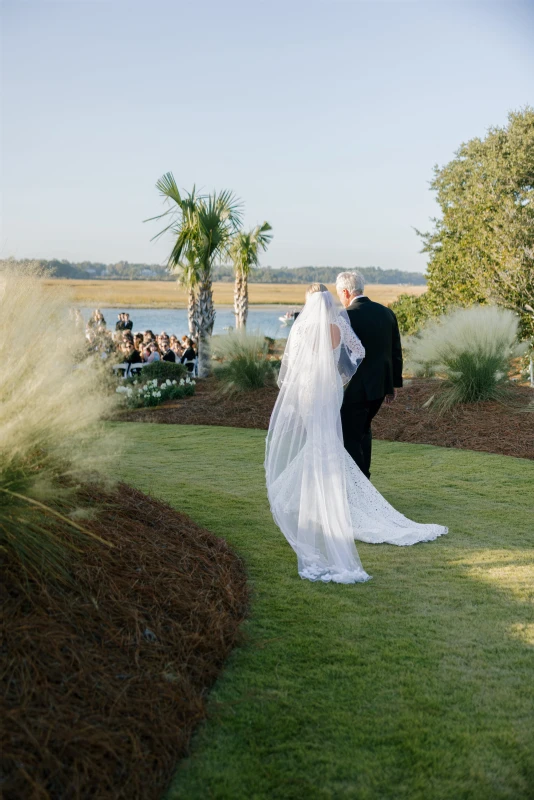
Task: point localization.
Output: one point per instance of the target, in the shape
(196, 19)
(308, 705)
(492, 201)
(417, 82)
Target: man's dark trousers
(378, 375)
(356, 421)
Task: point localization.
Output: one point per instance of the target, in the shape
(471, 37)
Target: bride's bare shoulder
(335, 335)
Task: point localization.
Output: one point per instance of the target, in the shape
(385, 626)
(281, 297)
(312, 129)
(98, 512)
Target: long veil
(305, 457)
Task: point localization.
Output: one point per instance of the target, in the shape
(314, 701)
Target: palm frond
(246, 245)
(168, 187)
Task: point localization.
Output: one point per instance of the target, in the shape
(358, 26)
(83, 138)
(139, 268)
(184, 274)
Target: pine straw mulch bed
(488, 427)
(105, 681)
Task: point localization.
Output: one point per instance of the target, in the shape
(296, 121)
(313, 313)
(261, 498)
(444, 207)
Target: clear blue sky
(326, 118)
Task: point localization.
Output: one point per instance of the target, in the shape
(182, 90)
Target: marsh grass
(52, 399)
(244, 361)
(472, 348)
(169, 294)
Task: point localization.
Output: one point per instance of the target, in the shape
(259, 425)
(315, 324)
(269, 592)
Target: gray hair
(353, 282)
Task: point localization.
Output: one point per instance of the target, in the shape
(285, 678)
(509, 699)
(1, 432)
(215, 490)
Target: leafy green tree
(411, 312)
(245, 254)
(482, 248)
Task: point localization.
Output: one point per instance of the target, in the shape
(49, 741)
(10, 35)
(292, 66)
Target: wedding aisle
(416, 684)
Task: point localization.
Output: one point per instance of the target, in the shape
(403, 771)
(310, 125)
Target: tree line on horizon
(124, 270)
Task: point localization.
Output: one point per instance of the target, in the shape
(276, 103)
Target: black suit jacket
(134, 357)
(381, 370)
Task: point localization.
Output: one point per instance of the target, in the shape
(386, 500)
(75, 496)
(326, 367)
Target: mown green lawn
(418, 685)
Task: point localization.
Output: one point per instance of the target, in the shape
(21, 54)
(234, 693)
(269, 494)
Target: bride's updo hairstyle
(316, 287)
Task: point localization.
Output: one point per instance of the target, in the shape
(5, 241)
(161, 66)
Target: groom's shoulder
(370, 307)
(370, 313)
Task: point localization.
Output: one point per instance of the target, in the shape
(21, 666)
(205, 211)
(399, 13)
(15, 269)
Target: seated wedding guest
(138, 341)
(128, 324)
(96, 320)
(153, 353)
(145, 352)
(166, 353)
(177, 349)
(189, 355)
(101, 341)
(148, 336)
(131, 355)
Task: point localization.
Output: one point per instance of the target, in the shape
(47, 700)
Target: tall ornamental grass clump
(472, 349)
(244, 361)
(52, 399)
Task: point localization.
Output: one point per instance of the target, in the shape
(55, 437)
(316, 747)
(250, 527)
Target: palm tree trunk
(238, 300)
(244, 301)
(192, 312)
(206, 320)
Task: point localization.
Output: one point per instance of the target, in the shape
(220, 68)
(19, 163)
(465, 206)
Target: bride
(319, 498)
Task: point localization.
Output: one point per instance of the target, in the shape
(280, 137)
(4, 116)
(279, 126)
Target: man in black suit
(119, 325)
(165, 349)
(128, 324)
(380, 373)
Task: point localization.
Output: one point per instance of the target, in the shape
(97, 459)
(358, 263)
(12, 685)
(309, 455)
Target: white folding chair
(125, 367)
(136, 369)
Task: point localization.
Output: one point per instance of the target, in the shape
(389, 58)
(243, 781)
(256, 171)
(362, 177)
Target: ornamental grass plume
(52, 400)
(244, 361)
(472, 348)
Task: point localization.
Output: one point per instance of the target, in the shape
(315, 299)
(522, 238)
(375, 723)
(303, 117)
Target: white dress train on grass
(319, 498)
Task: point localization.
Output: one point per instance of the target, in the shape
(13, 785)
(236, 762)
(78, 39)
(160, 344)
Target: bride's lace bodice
(353, 345)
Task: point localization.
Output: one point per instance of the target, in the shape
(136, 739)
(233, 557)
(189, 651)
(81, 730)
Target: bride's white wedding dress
(319, 497)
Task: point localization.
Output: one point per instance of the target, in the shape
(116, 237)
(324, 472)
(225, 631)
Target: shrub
(411, 312)
(163, 370)
(150, 393)
(244, 361)
(51, 438)
(472, 348)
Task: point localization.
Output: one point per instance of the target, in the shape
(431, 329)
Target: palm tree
(187, 273)
(244, 251)
(182, 261)
(219, 217)
(204, 227)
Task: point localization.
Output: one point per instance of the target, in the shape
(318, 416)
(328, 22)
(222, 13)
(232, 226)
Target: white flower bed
(151, 393)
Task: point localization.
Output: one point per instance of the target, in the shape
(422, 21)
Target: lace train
(373, 519)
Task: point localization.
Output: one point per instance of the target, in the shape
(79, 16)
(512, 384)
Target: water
(174, 320)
